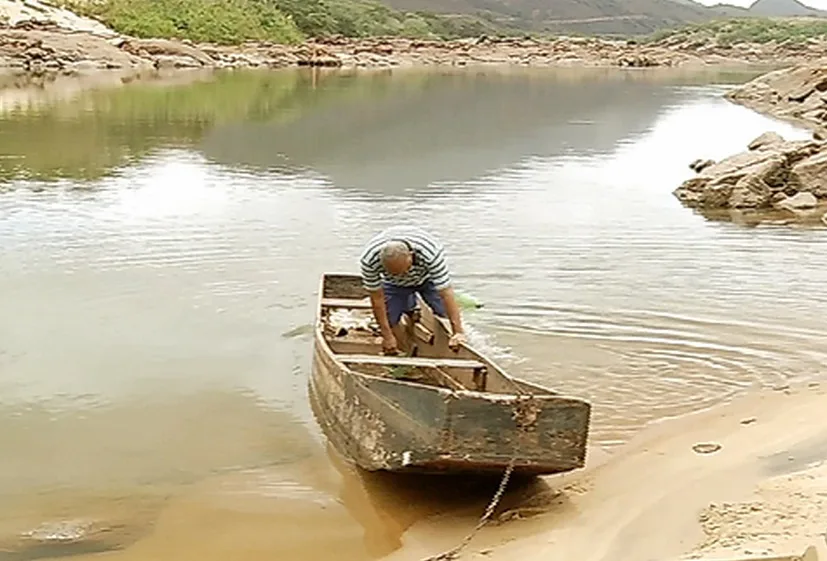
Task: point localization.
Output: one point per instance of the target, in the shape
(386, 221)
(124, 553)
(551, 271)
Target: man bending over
(396, 265)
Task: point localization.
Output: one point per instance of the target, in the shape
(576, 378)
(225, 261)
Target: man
(396, 265)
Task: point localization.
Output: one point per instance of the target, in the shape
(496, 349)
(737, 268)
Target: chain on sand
(455, 551)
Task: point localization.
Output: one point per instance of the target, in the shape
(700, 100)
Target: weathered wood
(350, 303)
(423, 333)
(447, 379)
(411, 361)
(430, 425)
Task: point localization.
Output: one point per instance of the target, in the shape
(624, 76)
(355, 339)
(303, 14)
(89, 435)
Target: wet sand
(319, 508)
(763, 492)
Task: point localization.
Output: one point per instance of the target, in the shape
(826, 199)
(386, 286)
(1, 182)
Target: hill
(291, 21)
(615, 17)
(783, 8)
(623, 17)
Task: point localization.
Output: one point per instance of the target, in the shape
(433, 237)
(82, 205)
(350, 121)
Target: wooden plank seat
(355, 303)
(411, 361)
(351, 303)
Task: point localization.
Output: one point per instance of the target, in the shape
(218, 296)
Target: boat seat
(411, 361)
(351, 303)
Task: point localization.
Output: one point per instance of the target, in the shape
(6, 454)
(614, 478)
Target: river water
(161, 249)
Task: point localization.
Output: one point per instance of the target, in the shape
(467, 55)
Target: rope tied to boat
(524, 413)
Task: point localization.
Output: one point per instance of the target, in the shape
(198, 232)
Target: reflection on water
(161, 248)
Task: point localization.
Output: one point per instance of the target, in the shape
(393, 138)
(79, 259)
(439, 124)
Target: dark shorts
(401, 299)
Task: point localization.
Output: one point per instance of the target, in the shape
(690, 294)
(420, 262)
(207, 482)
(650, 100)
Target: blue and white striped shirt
(428, 260)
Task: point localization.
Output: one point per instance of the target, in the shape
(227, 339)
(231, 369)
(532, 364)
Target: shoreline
(773, 180)
(37, 50)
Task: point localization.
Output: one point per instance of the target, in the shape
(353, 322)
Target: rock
(766, 139)
(166, 48)
(772, 172)
(699, 165)
(163, 62)
(811, 175)
(751, 191)
(716, 195)
(798, 202)
(78, 536)
(706, 447)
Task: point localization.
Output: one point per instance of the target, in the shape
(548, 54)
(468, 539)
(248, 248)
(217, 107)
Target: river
(161, 249)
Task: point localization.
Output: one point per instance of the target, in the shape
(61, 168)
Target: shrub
(215, 21)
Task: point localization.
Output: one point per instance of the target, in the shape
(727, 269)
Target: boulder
(811, 175)
(798, 202)
(751, 191)
(765, 140)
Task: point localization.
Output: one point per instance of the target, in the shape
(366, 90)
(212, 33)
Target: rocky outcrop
(22, 13)
(797, 94)
(773, 174)
(36, 38)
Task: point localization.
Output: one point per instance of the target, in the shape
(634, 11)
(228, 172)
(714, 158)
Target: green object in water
(467, 302)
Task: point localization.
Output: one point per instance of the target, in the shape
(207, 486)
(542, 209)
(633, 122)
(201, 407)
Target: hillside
(620, 17)
(571, 16)
(783, 8)
(292, 21)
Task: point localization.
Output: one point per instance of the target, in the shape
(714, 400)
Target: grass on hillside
(281, 21)
(750, 30)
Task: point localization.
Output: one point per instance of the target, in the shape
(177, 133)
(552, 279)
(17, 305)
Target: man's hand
(456, 340)
(389, 344)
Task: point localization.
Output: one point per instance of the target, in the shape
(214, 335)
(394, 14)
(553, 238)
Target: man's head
(396, 257)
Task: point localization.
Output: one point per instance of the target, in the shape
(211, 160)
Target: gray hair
(393, 250)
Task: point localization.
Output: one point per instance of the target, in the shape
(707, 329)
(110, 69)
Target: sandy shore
(764, 492)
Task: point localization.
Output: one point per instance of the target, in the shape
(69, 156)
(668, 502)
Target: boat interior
(353, 336)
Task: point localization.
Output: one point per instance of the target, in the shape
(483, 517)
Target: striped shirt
(428, 260)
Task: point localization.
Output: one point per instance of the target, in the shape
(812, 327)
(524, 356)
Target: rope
(525, 415)
(455, 551)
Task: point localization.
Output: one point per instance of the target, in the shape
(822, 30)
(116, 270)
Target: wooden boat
(433, 409)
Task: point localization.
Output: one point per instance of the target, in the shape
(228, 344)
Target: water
(161, 249)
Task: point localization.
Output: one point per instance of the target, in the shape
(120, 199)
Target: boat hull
(391, 425)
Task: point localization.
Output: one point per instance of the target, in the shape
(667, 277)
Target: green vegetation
(217, 21)
(281, 21)
(100, 131)
(749, 30)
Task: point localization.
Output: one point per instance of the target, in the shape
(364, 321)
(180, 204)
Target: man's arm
(438, 270)
(452, 309)
(372, 281)
(380, 311)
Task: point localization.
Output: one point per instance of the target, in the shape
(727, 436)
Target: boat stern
(542, 435)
